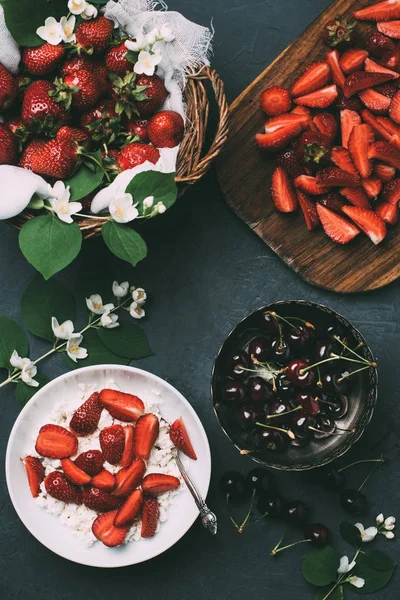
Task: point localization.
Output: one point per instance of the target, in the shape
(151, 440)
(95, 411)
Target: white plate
(46, 527)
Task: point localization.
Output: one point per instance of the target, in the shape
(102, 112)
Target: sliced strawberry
(128, 478)
(352, 60)
(353, 103)
(282, 192)
(391, 29)
(378, 103)
(278, 139)
(385, 152)
(391, 192)
(314, 78)
(35, 472)
(320, 99)
(309, 185)
(390, 126)
(332, 176)
(146, 434)
(125, 407)
(291, 163)
(378, 44)
(302, 118)
(309, 211)
(99, 500)
(332, 201)
(180, 438)
(128, 453)
(371, 224)
(376, 125)
(74, 473)
(155, 484)
(389, 89)
(275, 101)
(385, 172)
(325, 124)
(86, 418)
(359, 81)
(58, 487)
(383, 11)
(391, 60)
(150, 516)
(335, 226)
(56, 442)
(130, 509)
(103, 529)
(373, 67)
(356, 196)
(332, 59)
(360, 138)
(112, 442)
(104, 481)
(394, 110)
(388, 212)
(90, 461)
(348, 120)
(341, 158)
(372, 186)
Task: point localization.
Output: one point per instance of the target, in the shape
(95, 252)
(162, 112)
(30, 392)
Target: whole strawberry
(116, 60)
(73, 133)
(102, 122)
(76, 63)
(165, 129)
(95, 36)
(43, 59)
(39, 106)
(19, 130)
(138, 127)
(8, 88)
(57, 158)
(340, 33)
(8, 146)
(79, 90)
(136, 154)
(31, 149)
(155, 91)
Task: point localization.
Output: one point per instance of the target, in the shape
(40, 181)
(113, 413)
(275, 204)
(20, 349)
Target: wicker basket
(192, 163)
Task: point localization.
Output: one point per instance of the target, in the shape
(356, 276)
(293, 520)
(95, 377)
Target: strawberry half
(348, 120)
(130, 509)
(309, 185)
(314, 78)
(360, 138)
(103, 529)
(391, 192)
(341, 158)
(90, 461)
(99, 500)
(282, 192)
(378, 44)
(385, 152)
(372, 186)
(383, 11)
(35, 472)
(180, 438)
(373, 67)
(155, 484)
(391, 127)
(112, 442)
(388, 212)
(309, 211)
(359, 81)
(352, 60)
(371, 224)
(394, 110)
(146, 434)
(385, 173)
(332, 201)
(376, 125)
(332, 58)
(320, 99)
(125, 407)
(128, 478)
(333, 176)
(391, 29)
(58, 487)
(275, 101)
(104, 481)
(86, 418)
(339, 229)
(356, 196)
(325, 124)
(150, 516)
(128, 453)
(279, 137)
(54, 441)
(74, 473)
(378, 103)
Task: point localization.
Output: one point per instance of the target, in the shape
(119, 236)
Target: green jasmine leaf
(12, 337)
(152, 183)
(124, 242)
(337, 594)
(85, 180)
(378, 560)
(49, 244)
(22, 21)
(43, 300)
(127, 340)
(320, 567)
(374, 579)
(24, 392)
(98, 353)
(350, 533)
(132, 56)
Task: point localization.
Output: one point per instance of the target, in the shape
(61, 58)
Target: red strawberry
(290, 163)
(136, 154)
(155, 91)
(372, 187)
(353, 103)
(275, 101)
(388, 212)
(283, 195)
(130, 509)
(74, 473)
(79, 89)
(326, 124)
(128, 453)
(116, 60)
(309, 185)
(376, 125)
(391, 60)
(385, 152)
(150, 516)
(391, 192)
(104, 481)
(335, 226)
(378, 103)
(391, 127)
(180, 438)
(332, 176)
(359, 81)
(332, 58)
(139, 127)
(43, 59)
(128, 478)
(388, 89)
(309, 211)
(146, 434)
(155, 484)
(356, 196)
(112, 441)
(101, 122)
(8, 146)
(332, 201)
(298, 116)
(341, 158)
(35, 473)
(165, 129)
(125, 407)
(371, 224)
(320, 99)
(373, 67)
(86, 418)
(95, 35)
(360, 138)
(385, 172)
(38, 105)
(98, 500)
(73, 133)
(383, 11)
(8, 88)
(30, 150)
(339, 33)
(378, 45)
(280, 136)
(394, 110)
(353, 60)
(76, 63)
(391, 29)
(104, 530)
(54, 441)
(90, 461)
(58, 487)
(314, 78)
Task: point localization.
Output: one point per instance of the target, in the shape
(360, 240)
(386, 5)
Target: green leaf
(132, 56)
(50, 244)
(98, 353)
(124, 242)
(85, 180)
(152, 183)
(320, 567)
(377, 560)
(127, 340)
(351, 534)
(12, 337)
(374, 579)
(36, 202)
(22, 18)
(24, 392)
(43, 300)
(337, 594)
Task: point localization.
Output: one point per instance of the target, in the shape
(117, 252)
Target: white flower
(63, 331)
(152, 36)
(358, 582)
(28, 373)
(390, 523)
(136, 311)
(73, 348)
(367, 535)
(139, 296)
(120, 290)
(17, 362)
(122, 209)
(148, 202)
(68, 26)
(166, 33)
(90, 12)
(51, 31)
(379, 519)
(345, 566)
(147, 63)
(161, 208)
(137, 44)
(389, 535)
(96, 306)
(59, 200)
(109, 321)
(77, 7)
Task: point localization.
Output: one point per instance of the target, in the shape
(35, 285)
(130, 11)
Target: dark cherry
(299, 337)
(279, 351)
(236, 364)
(309, 403)
(300, 442)
(325, 425)
(301, 423)
(258, 480)
(233, 483)
(258, 348)
(285, 388)
(270, 439)
(318, 534)
(343, 382)
(233, 392)
(259, 390)
(268, 324)
(244, 417)
(337, 407)
(324, 349)
(334, 479)
(336, 329)
(353, 502)
(296, 512)
(296, 375)
(277, 408)
(327, 379)
(270, 503)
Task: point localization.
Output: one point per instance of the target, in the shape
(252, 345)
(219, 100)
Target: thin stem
(287, 431)
(229, 513)
(360, 362)
(98, 163)
(92, 217)
(287, 412)
(276, 316)
(306, 323)
(360, 462)
(243, 525)
(280, 549)
(368, 476)
(353, 373)
(334, 357)
(337, 338)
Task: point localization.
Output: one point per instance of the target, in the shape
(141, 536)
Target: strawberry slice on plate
(130, 509)
(103, 529)
(90, 461)
(55, 441)
(332, 59)
(150, 516)
(180, 438)
(58, 487)
(371, 223)
(383, 11)
(320, 99)
(125, 407)
(373, 67)
(385, 173)
(275, 101)
(339, 229)
(74, 473)
(99, 500)
(35, 472)
(385, 152)
(391, 192)
(104, 481)
(388, 212)
(360, 138)
(332, 201)
(335, 177)
(372, 187)
(86, 418)
(146, 434)
(315, 77)
(309, 185)
(378, 103)
(128, 453)
(155, 484)
(356, 196)
(128, 478)
(352, 60)
(391, 29)
(309, 211)
(359, 81)
(282, 192)
(341, 158)
(112, 442)
(348, 120)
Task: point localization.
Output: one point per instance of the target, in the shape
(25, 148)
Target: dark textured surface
(205, 271)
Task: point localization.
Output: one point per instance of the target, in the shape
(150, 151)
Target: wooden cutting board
(245, 177)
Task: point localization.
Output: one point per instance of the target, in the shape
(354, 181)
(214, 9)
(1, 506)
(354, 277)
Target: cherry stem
(353, 373)
(332, 432)
(302, 371)
(319, 382)
(306, 323)
(368, 476)
(229, 512)
(287, 412)
(276, 316)
(337, 338)
(287, 431)
(258, 370)
(324, 401)
(243, 525)
(360, 462)
(279, 548)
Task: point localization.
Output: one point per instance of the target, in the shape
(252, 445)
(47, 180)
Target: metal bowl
(362, 398)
